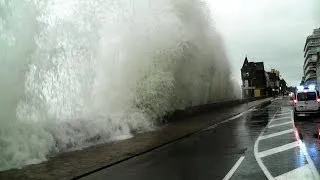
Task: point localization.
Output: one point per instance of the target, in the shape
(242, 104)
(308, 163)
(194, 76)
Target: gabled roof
(245, 63)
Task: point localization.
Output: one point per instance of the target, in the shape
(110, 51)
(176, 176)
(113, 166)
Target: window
(307, 96)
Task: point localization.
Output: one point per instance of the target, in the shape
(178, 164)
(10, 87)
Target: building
(274, 84)
(311, 47)
(283, 87)
(318, 70)
(253, 79)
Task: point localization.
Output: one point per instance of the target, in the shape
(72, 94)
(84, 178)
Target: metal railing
(204, 108)
(310, 68)
(309, 60)
(310, 52)
(312, 44)
(310, 76)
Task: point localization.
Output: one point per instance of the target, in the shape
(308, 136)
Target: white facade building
(312, 46)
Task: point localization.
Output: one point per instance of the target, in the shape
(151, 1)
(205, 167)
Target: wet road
(261, 143)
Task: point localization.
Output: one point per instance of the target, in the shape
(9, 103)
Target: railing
(312, 44)
(310, 76)
(314, 36)
(311, 37)
(310, 52)
(309, 60)
(310, 68)
(199, 109)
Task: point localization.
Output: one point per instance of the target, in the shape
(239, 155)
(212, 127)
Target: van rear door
(307, 101)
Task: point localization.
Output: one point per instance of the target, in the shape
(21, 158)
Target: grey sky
(273, 31)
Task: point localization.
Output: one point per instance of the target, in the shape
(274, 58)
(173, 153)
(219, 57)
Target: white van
(306, 101)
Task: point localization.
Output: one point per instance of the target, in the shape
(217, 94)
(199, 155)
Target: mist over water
(76, 73)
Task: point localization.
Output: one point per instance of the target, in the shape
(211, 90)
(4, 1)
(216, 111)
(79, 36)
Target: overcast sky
(272, 31)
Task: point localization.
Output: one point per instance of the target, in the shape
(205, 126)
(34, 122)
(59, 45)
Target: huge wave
(76, 73)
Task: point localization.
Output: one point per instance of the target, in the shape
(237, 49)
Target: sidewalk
(78, 163)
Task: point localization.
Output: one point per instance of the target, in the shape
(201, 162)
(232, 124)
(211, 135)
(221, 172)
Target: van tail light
(296, 101)
(318, 100)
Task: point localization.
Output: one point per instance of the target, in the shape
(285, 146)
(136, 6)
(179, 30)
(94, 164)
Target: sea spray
(77, 73)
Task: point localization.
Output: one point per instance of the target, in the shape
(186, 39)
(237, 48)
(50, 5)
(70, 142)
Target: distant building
(274, 84)
(253, 79)
(283, 87)
(318, 70)
(311, 47)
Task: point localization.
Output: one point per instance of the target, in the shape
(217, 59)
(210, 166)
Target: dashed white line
(227, 120)
(278, 149)
(280, 124)
(276, 134)
(234, 168)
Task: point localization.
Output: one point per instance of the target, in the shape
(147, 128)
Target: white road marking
(276, 134)
(282, 118)
(225, 121)
(235, 117)
(253, 109)
(280, 124)
(256, 152)
(234, 168)
(210, 127)
(306, 154)
(309, 160)
(278, 149)
(304, 172)
(283, 113)
(257, 121)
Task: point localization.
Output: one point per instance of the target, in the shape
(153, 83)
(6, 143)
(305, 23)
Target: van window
(306, 96)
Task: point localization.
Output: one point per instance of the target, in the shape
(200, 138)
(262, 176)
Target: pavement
(260, 143)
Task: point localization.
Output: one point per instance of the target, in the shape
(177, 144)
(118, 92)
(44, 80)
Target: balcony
(311, 69)
(308, 61)
(310, 52)
(312, 44)
(311, 76)
(309, 38)
(313, 36)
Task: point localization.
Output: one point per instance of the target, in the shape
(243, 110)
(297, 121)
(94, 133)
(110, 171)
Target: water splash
(76, 73)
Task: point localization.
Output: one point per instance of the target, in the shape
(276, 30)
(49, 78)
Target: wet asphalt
(261, 143)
